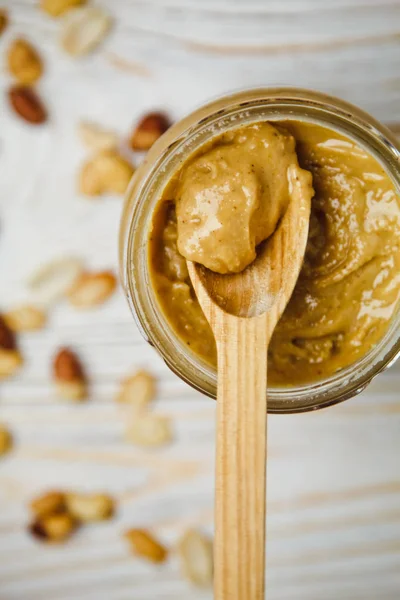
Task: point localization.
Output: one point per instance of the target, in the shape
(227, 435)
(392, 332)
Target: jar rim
(145, 190)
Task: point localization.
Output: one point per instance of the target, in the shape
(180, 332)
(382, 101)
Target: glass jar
(146, 188)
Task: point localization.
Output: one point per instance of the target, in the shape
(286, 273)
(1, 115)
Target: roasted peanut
(138, 390)
(148, 130)
(55, 8)
(144, 545)
(196, 554)
(83, 29)
(54, 280)
(105, 173)
(25, 318)
(49, 503)
(97, 138)
(24, 63)
(69, 376)
(148, 430)
(27, 104)
(5, 440)
(90, 507)
(3, 20)
(92, 289)
(10, 358)
(53, 527)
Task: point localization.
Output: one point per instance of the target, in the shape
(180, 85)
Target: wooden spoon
(243, 310)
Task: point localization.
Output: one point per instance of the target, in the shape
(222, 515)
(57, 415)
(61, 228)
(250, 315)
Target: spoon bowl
(269, 280)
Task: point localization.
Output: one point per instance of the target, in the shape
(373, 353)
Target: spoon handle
(240, 504)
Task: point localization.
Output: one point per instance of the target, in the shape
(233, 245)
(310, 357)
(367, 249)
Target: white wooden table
(334, 476)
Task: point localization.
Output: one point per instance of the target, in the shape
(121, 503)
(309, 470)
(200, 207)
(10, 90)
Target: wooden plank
(334, 493)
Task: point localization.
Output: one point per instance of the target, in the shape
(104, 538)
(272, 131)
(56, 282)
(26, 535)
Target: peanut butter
(230, 198)
(349, 286)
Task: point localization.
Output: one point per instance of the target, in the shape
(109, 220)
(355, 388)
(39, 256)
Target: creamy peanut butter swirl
(230, 198)
(349, 286)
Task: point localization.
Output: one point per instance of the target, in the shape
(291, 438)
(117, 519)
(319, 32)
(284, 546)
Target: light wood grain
(240, 481)
(334, 480)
